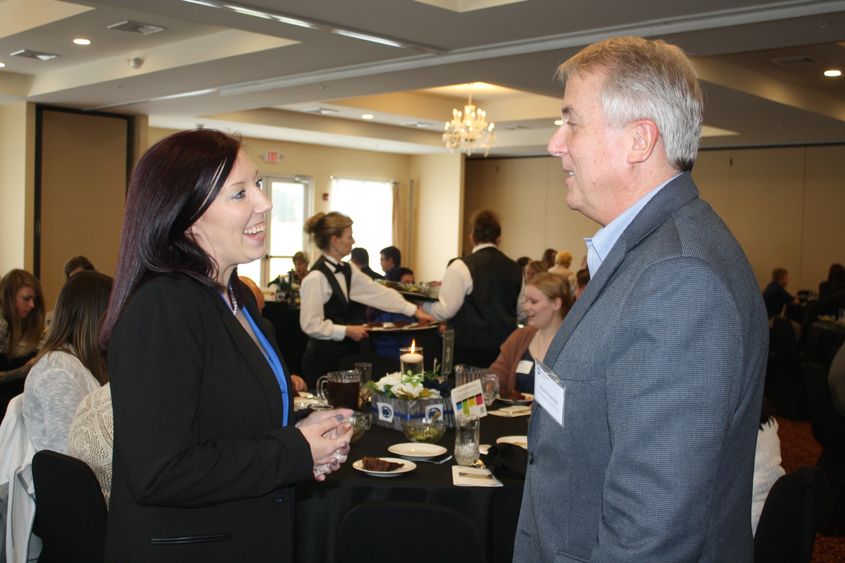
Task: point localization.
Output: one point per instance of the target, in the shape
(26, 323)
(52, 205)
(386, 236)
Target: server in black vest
(328, 294)
(481, 294)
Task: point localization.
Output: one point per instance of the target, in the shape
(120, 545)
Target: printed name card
(468, 400)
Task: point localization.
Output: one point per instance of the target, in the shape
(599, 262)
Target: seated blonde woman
(547, 300)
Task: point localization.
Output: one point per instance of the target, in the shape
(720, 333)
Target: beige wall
(528, 195)
(438, 197)
(17, 157)
(784, 205)
(83, 187)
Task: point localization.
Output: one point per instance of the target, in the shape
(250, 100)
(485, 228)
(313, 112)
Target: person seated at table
(563, 260)
(582, 278)
(523, 261)
(78, 264)
(300, 268)
(775, 295)
(387, 344)
(547, 301)
(328, 292)
(69, 364)
(767, 463)
(21, 330)
(390, 259)
(533, 268)
(21, 316)
(361, 258)
(91, 436)
(835, 282)
(548, 258)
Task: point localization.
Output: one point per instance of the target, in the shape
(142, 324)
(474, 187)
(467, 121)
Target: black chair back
(379, 531)
(788, 523)
(69, 509)
(785, 383)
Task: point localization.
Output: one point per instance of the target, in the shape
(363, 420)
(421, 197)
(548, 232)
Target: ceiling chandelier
(468, 130)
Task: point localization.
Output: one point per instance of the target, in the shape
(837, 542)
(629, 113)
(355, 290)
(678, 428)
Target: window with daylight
(291, 206)
(370, 205)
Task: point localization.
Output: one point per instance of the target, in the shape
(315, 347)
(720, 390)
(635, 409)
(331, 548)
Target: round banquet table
(320, 507)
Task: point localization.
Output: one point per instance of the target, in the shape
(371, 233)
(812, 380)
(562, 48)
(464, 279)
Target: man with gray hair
(641, 447)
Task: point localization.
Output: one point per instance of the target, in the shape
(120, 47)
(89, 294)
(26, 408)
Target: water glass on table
(466, 439)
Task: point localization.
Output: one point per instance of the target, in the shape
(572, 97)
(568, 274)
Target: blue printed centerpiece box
(409, 396)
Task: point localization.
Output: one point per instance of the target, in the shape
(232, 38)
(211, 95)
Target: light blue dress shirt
(600, 244)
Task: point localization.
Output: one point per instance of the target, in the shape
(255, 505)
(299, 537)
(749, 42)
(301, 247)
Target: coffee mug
(340, 388)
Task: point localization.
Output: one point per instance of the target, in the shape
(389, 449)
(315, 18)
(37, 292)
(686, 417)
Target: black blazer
(203, 470)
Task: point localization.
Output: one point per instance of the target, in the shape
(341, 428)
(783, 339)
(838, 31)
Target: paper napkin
(473, 477)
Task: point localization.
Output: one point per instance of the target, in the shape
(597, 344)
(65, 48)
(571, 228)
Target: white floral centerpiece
(405, 386)
(404, 396)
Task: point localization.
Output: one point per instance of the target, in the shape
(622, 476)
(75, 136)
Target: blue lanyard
(275, 364)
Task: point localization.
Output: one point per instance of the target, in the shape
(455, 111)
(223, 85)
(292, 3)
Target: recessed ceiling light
(367, 116)
(833, 73)
(558, 122)
(30, 54)
(81, 41)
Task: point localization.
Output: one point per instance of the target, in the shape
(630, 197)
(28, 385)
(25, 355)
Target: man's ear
(643, 135)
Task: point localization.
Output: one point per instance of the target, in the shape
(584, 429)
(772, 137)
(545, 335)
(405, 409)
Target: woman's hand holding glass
(328, 435)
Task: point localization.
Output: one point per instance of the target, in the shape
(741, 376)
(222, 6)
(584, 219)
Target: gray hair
(647, 79)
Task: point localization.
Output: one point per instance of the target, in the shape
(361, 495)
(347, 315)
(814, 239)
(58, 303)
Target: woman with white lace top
(69, 365)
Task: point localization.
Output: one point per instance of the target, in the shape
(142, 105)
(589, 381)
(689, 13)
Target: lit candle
(411, 358)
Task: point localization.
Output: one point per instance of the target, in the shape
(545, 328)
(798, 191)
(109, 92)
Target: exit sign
(271, 157)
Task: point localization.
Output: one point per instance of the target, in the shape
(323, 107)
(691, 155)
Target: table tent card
(468, 400)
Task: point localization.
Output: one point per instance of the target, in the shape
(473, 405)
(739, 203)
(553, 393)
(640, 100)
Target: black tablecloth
(320, 507)
(822, 342)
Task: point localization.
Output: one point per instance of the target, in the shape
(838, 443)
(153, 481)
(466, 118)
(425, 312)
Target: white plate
(521, 441)
(417, 450)
(406, 467)
(529, 398)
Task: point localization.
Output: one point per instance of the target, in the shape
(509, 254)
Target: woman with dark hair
(206, 444)
(21, 318)
(69, 365)
(329, 294)
(835, 282)
(547, 301)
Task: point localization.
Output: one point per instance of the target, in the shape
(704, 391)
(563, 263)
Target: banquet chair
(788, 523)
(407, 532)
(785, 383)
(69, 508)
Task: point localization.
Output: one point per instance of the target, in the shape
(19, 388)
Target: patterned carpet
(800, 449)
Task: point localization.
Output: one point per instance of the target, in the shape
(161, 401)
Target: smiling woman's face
(540, 309)
(231, 230)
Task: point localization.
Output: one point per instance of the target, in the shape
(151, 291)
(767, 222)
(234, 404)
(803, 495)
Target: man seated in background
(775, 295)
(480, 295)
(391, 259)
(361, 258)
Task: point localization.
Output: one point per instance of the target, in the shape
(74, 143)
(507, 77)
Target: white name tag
(524, 366)
(549, 391)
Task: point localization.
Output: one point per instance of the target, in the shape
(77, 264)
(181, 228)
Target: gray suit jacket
(663, 360)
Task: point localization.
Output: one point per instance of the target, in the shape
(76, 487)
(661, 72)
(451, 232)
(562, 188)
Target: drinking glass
(490, 388)
(466, 439)
(340, 388)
